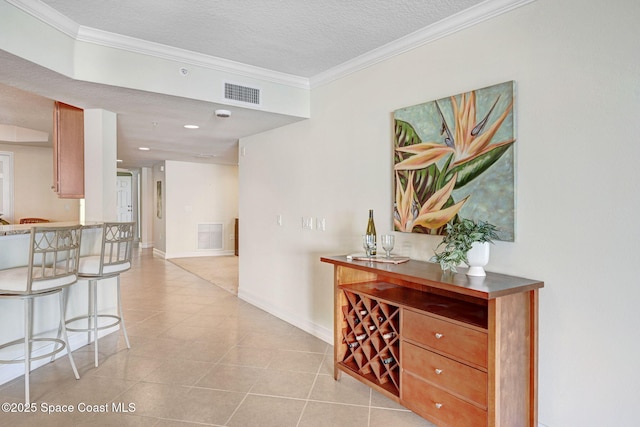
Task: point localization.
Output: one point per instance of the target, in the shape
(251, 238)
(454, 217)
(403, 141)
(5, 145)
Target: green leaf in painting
(405, 134)
(471, 169)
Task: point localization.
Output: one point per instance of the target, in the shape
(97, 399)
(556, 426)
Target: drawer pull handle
(438, 405)
(438, 335)
(438, 371)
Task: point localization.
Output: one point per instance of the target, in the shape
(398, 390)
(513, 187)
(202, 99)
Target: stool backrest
(117, 245)
(53, 257)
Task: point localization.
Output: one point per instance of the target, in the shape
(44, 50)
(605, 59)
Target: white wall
(147, 207)
(100, 165)
(33, 178)
(576, 67)
(159, 209)
(199, 193)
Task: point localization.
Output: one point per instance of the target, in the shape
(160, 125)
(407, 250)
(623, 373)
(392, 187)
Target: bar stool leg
(89, 311)
(124, 329)
(28, 309)
(94, 286)
(63, 295)
(66, 336)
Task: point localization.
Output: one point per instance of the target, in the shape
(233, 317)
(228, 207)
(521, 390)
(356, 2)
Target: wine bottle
(371, 231)
(389, 335)
(387, 360)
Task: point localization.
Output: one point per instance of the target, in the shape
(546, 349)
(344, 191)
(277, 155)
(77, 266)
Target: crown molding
(55, 19)
(467, 18)
(131, 44)
(458, 22)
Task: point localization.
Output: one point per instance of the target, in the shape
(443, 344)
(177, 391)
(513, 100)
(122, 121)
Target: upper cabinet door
(68, 151)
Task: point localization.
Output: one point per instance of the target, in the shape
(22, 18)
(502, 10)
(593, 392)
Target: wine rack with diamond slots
(457, 350)
(371, 335)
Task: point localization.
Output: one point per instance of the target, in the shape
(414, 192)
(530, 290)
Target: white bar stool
(114, 258)
(53, 265)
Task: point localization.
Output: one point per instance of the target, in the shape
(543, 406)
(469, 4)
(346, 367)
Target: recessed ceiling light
(119, 160)
(143, 148)
(191, 126)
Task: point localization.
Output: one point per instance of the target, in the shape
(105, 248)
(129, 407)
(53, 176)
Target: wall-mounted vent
(210, 236)
(246, 94)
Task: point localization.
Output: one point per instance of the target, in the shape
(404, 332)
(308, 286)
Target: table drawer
(448, 374)
(439, 406)
(458, 341)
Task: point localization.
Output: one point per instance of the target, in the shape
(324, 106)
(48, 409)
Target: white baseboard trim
(317, 331)
(159, 253)
(165, 255)
(77, 340)
(200, 253)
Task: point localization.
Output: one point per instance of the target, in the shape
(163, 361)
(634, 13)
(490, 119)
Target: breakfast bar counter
(14, 252)
(13, 229)
(14, 240)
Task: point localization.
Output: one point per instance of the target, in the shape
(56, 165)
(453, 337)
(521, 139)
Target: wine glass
(388, 241)
(369, 244)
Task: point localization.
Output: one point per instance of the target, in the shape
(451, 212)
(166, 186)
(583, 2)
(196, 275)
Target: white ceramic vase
(478, 257)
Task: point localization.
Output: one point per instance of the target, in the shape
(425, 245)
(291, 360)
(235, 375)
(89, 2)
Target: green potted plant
(463, 235)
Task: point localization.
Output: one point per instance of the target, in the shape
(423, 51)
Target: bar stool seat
(53, 266)
(114, 258)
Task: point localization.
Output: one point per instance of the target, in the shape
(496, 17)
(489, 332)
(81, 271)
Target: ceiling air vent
(246, 94)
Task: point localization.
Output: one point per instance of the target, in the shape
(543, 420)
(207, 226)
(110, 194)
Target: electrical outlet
(279, 219)
(321, 224)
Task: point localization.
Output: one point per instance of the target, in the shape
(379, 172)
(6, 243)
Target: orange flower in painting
(469, 142)
(430, 214)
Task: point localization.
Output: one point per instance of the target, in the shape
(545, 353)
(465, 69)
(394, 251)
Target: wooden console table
(457, 350)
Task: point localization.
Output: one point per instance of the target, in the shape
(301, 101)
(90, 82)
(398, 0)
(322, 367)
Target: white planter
(478, 257)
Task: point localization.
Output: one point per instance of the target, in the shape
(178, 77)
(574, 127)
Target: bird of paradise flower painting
(454, 156)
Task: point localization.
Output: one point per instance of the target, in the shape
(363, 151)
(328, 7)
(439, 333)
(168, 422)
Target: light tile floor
(200, 356)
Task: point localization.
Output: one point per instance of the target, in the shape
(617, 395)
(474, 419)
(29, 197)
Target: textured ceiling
(298, 37)
(301, 38)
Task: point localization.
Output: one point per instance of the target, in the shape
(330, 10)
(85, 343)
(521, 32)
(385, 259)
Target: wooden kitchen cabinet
(68, 151)
(459, 351)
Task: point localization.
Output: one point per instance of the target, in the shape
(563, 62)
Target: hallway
(200, 356)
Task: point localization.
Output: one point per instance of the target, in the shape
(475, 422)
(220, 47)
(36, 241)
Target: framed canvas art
(455, 156)
(159, 199)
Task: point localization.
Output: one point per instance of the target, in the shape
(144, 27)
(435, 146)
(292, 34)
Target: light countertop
(14, 229)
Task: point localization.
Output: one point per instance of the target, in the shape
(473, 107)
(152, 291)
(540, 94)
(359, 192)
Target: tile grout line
(264, 369)
(369, 412)
(315, 380)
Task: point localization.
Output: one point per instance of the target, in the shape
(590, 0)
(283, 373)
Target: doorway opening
(127, 199)
(6, 188)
